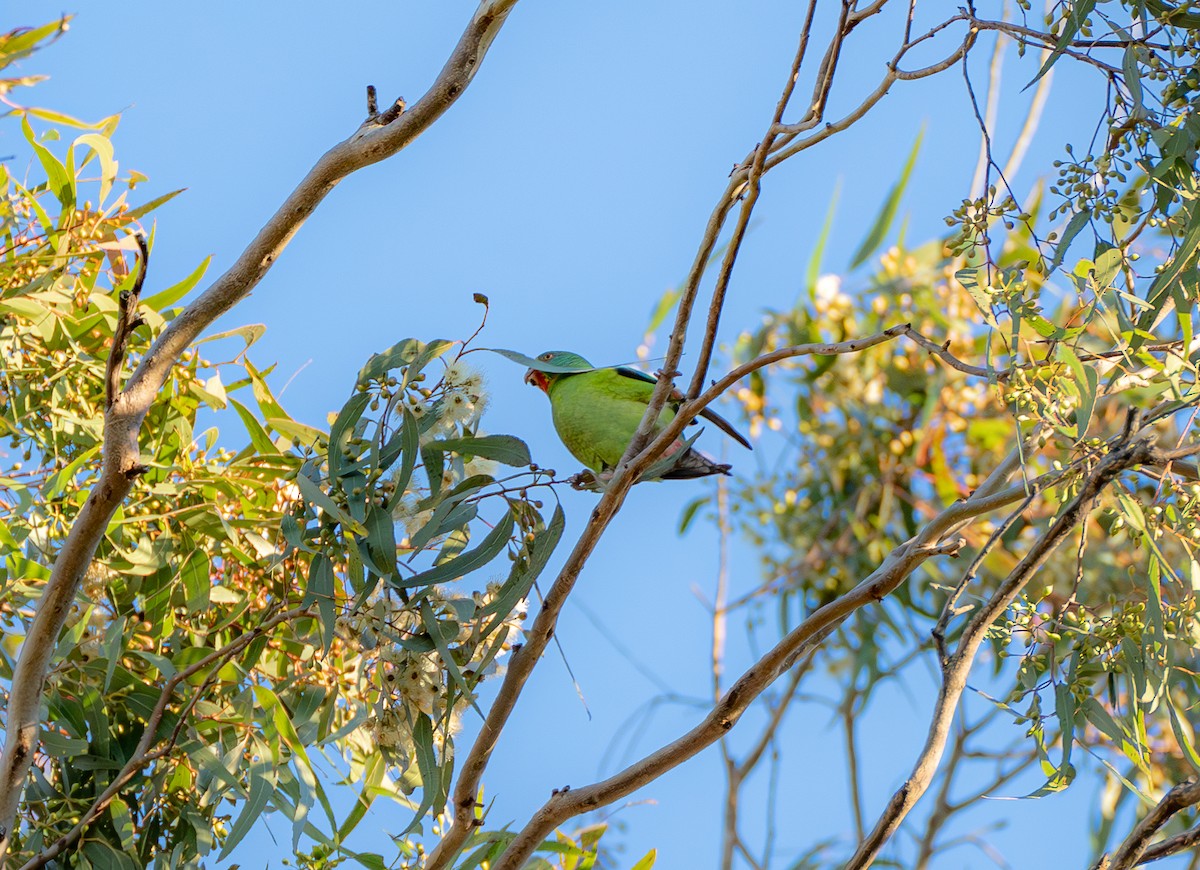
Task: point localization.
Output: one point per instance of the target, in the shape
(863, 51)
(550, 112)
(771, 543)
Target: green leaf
(531, 362)
(409, 446)
(374, 769)
(250, 333)
(261, 789)
(1133, 81)
(102, 856)
(647, 860)
(1080, 10)
(1087, 381)
(818, 251)
(1107, 266)
(342, 430)
(56, 484)
(1074, 227)
(258, 435)
(314, 495)
(433, 626)
(1160, 288)
(525, 571)
(19, 43)
(883, 221)
(103, 150)
(502, 448)
(194, 574)
(1184, 735)
(308, 436)
(61, 183)
(471, 560)
(441, 521)
(434, 469)
(167, 298)
(689, 512)
(398, 354)
(381, 540)
(142, 210)
(427, 766)
(1064, 709)
(320, 588)
(270, 702)
(122, 821)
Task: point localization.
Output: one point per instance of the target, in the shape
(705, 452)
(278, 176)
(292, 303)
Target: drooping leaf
(887, 214)
(501, 448)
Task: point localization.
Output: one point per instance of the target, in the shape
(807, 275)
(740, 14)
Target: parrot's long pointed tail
(695, 464)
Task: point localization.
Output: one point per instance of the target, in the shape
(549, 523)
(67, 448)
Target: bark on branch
(934, 539)
(1130, 853)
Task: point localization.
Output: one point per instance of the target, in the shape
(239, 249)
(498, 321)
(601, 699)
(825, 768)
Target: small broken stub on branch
(374, 116)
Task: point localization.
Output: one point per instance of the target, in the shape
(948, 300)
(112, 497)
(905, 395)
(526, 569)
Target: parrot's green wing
(676, 396)
(596, 414)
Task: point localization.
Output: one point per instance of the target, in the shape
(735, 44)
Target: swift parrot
(597, 411)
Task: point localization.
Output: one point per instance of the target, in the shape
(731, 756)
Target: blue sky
(570, 184)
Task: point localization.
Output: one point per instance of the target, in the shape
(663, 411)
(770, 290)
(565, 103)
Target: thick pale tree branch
(122, 423)
(1132, 451)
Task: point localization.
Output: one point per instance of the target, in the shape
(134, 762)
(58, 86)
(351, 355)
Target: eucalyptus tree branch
(1016, 31)
(944, 808)
(538, 636)
(640, 454)
(855, 783)
(788, 145)
(750, 194)
(143, 754)
(1171, 846)
(123, 419)
(1130, 852)
(930, 541)
(737, 185)
(1132, 451)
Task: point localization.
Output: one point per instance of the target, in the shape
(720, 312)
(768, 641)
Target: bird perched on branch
(596, 412)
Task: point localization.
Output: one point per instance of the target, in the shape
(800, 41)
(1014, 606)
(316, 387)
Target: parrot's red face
(538, 379)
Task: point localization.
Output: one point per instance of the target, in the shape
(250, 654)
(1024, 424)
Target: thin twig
(128, 320)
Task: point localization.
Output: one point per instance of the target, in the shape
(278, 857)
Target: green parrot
(597, 411)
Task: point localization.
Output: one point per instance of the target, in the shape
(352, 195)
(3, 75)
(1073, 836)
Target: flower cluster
(404, 677)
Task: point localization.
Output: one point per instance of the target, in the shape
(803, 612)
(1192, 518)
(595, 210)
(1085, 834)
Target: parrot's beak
(537, 379)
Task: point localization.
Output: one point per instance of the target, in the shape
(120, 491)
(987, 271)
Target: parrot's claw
(590, 481)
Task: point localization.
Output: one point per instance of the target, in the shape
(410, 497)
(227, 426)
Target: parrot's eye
(546, 357)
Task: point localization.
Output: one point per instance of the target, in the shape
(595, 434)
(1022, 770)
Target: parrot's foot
(589, 480)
